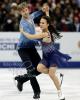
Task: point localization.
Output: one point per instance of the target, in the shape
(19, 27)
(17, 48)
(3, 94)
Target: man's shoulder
(23, 22)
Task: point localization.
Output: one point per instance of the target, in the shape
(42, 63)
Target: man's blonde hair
(22, 6)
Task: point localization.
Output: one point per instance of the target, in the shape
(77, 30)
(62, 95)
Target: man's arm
(36, 14)
(33, 36)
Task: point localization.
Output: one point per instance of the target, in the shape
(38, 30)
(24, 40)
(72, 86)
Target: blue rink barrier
(19, 64)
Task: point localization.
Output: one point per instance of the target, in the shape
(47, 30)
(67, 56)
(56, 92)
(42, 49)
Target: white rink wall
(69, 44)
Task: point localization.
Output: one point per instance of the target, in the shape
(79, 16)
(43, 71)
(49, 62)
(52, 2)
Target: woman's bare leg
(41, 68)
(52, 74)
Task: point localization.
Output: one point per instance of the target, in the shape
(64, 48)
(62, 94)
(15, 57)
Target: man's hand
(21, 30)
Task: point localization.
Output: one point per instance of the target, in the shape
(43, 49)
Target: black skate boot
(21, 80)
(19, 83)
(36, 95)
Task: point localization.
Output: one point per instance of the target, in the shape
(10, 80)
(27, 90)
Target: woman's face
(43, 24)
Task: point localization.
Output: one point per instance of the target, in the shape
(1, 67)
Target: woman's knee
(42, 68)
(39, 68)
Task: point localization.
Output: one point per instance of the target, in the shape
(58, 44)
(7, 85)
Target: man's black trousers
(30, 58)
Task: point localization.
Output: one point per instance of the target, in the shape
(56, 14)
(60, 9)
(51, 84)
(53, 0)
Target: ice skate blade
(62, 99)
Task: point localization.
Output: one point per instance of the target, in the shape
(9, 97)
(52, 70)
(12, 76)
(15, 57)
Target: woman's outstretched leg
(52, 74)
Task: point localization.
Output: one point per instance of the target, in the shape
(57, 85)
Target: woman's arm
(33, 36)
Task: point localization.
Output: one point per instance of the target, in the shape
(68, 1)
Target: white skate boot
(61, 96)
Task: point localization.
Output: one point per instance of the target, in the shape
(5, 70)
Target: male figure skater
(27, 50)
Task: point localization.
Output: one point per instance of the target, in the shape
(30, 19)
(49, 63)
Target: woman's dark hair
(52, 30)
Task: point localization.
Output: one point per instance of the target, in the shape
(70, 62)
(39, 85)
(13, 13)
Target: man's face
(25, 12)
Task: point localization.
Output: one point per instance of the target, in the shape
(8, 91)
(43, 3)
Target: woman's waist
(48, 50)
(47, 43)
(48, 47)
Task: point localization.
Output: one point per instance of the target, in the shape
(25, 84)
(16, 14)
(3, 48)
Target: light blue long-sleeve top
(29, 27)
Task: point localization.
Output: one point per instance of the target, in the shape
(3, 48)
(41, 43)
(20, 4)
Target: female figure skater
(51, 56)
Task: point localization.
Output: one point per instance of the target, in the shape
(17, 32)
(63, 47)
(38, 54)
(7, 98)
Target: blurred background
(66, 14)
